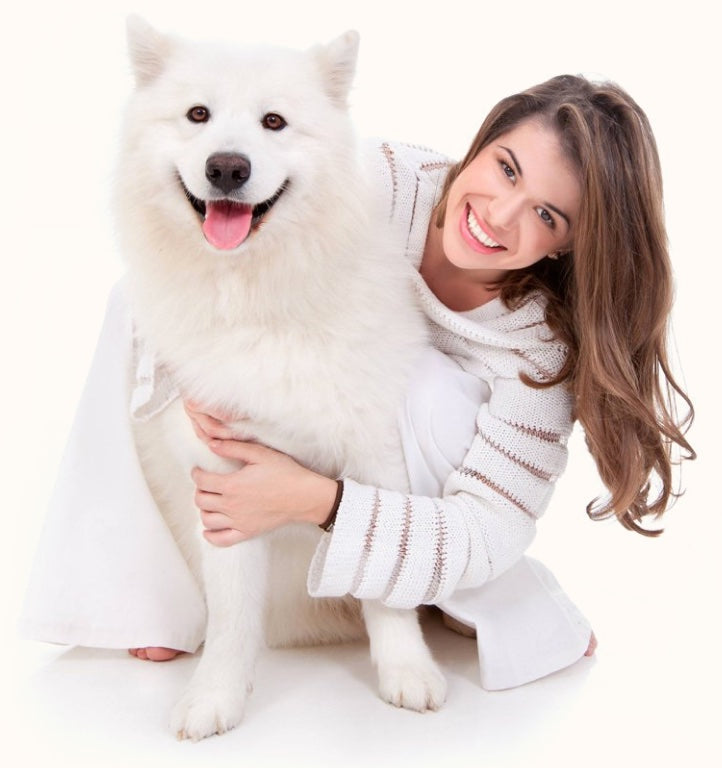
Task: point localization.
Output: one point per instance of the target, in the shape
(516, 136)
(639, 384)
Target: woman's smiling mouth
(476, 234)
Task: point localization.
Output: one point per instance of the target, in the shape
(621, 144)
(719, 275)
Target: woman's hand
(270, 491)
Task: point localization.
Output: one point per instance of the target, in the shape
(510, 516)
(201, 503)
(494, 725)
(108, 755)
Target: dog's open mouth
(226, 223)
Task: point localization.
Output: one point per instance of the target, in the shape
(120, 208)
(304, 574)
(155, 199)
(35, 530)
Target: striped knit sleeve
(408, 550)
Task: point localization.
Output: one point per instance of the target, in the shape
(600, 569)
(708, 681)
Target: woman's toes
(592, 645)
(154, 653)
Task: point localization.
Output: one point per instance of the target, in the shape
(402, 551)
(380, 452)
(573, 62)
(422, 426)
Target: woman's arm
(407, 550)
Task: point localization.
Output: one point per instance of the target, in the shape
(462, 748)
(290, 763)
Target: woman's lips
(476, 235)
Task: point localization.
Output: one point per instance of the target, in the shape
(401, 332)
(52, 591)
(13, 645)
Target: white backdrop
(424, 76)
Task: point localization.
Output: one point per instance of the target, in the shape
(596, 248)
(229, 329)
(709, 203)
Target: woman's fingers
(248, 453)
(210, 426)
(214, 521)
(209, 482)
(209, 502)
(225, 538)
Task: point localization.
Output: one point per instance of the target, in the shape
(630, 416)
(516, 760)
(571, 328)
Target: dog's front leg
(235, 585)
(408, 675)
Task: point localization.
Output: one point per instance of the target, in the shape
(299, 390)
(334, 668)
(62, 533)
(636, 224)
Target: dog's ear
(148, 49)
(337, 60)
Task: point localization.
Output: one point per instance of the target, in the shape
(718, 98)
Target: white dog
(263, 281)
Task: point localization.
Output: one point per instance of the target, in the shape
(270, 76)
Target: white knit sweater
(407, 550)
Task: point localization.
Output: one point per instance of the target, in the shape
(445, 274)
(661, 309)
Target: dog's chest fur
(319, 377)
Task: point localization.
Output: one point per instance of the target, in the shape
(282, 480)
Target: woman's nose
(503, 210)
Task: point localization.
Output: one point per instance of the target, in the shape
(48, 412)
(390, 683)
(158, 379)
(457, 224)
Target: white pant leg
(108, 572)
(526, 626)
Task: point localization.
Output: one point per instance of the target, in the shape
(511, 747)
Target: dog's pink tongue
(227, 224)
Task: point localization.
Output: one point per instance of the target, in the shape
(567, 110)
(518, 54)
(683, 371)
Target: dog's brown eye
(273, 122)
(198, 114)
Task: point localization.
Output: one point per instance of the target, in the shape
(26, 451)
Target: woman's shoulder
(406, 183)
(401, 171)
(403, 156)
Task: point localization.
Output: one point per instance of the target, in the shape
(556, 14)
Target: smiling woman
(609, 298)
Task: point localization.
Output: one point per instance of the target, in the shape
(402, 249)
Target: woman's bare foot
(592, 645)
(155, 654)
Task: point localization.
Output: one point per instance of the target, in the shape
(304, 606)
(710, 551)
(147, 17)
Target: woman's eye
(198, 114)
(273, 122)
(508, 170)
(545, 216)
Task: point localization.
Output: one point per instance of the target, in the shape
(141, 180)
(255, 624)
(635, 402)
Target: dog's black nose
(228, 170)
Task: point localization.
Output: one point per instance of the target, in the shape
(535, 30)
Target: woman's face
(516, 202)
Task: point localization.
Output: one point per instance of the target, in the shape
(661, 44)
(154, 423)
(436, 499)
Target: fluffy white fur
(308, 328)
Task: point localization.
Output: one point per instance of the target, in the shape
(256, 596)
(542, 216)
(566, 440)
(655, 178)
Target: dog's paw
(200, 714)
(419, 686)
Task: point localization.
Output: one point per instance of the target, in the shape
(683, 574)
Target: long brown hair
(610, 297)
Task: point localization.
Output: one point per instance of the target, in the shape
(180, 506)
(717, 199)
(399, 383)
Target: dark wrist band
(327, 524)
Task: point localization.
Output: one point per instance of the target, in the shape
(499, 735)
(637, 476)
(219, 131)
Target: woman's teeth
(478, 232)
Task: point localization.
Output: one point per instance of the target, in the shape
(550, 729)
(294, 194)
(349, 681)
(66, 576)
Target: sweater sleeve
(408, 550)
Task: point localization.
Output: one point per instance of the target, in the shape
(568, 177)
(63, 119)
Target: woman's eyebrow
(513, 159)
(560, 212)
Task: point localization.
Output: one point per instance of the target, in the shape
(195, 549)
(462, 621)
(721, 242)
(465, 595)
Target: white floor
(310, 707)
(632, 704)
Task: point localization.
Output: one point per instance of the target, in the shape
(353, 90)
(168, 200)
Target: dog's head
(221, 140)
